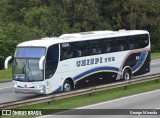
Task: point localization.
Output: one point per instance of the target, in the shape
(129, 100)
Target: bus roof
(73, 37)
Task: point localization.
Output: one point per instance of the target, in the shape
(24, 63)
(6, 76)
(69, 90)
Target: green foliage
(6, 75)
(22, 20)
(40, 17)
(12, 34)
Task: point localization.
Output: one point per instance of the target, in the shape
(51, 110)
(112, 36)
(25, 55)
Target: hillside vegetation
(22, 20)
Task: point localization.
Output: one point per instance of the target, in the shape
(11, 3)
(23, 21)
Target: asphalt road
(7, 94)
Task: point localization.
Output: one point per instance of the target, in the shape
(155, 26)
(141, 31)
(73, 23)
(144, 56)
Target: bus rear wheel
(126, 74)
(67, 86)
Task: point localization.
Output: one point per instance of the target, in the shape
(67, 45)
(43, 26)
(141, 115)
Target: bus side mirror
(7, 61)
(41, 62)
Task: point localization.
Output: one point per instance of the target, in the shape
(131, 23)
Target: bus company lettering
(92, 61)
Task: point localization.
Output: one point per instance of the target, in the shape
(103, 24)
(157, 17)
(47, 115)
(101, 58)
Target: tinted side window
(72, 50)
(80, 49)
(95, 47)
(67, 51)
(132, 42)
(108, 46)
(143, 41)
(121, 44)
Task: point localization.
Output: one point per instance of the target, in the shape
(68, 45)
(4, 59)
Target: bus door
(52, 58)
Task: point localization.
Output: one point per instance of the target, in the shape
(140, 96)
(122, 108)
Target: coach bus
(79, 60)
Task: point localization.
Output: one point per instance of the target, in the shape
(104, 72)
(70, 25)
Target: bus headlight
(41, 91)
(15, 85)
(39, 86)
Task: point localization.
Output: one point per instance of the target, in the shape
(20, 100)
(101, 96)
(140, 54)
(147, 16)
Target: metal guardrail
(89, 91)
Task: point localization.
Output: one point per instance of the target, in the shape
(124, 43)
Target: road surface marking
(155, 63)
(6, 87)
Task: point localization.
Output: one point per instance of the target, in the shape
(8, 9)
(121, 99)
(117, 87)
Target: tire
(126, 74)
(67, 86)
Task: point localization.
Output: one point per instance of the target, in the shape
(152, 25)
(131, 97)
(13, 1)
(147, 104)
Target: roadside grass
(155, 55)
(84, 100)
(6, 74)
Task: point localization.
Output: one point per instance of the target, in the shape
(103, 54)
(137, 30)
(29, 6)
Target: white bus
(79, 60)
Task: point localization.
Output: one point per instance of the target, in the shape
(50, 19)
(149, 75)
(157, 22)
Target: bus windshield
(30, 52)
(27, 70)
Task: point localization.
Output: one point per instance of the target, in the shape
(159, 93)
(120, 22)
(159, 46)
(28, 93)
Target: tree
(22, 20)
(42, 18)
(13, 34)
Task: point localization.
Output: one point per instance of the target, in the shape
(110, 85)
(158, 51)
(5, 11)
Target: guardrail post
(49, 102)
(51, 99)
(91, 93)
(127, 84)
(157, 80)
(125, 87)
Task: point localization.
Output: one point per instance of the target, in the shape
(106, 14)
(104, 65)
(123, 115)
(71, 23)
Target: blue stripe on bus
(105, 68)
(57, 90)
(140, 61)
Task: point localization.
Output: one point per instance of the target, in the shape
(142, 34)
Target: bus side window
(80, 49)
(78, 52)
(64, 54)
(108, 46)
(95, 47)
(66, 51)
(132, 42)
(143, 41)
(121, 44)
(70, 54)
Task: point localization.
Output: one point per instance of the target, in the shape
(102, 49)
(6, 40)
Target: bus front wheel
(126, 74)
(67, 86)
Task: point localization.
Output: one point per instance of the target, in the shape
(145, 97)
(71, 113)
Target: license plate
(25, 91)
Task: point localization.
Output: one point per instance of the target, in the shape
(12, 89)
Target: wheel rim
(126, 76)
(67, 87)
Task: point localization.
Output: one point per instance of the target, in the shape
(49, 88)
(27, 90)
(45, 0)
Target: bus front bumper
(29, 90)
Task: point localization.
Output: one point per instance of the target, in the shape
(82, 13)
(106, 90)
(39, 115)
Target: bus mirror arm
(41, 62)
(7, 61)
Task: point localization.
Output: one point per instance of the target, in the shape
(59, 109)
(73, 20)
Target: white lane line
(45, 116)
(6, 87)
(119, 99)
(155, 63)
